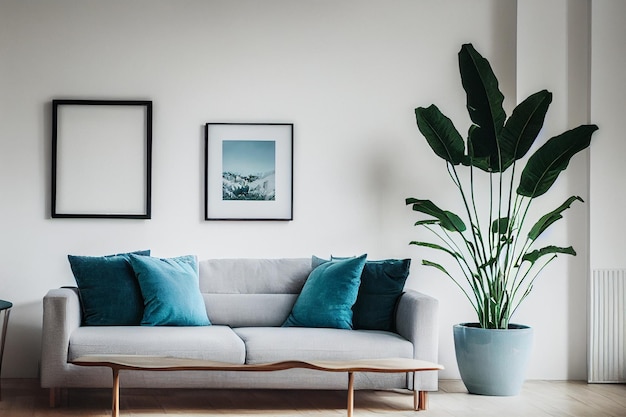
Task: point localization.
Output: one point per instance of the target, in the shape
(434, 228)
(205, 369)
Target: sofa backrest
(251, 292)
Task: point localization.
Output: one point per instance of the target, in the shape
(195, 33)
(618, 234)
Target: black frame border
(148, 185)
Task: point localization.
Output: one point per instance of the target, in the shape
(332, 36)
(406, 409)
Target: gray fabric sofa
(247, 300)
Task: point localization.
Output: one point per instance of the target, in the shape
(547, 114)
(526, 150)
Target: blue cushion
(328, 294)
(317, 261)
(382, 283)
(109, 292)
(170, 291)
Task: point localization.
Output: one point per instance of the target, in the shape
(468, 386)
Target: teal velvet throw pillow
(382, 283)
(170, 290)
(109, 292)
(328, 295)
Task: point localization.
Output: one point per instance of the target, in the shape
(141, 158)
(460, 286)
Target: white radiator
(607, 326)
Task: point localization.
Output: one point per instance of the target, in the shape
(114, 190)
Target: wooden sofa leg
(58, 397)
(55, 394)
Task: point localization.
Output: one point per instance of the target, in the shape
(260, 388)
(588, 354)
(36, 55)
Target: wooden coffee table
(118, 363)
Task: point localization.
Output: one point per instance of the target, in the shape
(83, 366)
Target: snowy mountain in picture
(260, 186)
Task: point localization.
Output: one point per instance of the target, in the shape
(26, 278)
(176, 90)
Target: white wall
(608, 103)
(348, 74)
(553, 53)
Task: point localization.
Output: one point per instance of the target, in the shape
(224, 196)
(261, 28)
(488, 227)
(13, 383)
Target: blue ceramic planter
(491, 361)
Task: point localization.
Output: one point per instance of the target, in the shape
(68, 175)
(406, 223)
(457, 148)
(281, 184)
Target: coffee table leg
(116, 393)
(422, 402)
(350, 393)
(3, 339)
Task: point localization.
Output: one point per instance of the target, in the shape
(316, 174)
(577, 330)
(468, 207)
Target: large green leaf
(436, 265)
(437, 247)
(522, 128)
(426, 222)
(545, 221)
(500, 226)
(447, 219)
(481, 162)
(545, 165)
(484, 104)
(533, 256)
(440, 134)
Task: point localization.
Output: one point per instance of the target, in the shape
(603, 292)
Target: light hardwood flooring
(24, 398)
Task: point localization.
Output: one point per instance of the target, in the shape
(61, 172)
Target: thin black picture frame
(217, 206)
(101, 159)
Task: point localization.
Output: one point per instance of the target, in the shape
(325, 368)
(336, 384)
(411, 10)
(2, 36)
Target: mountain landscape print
(249, 170)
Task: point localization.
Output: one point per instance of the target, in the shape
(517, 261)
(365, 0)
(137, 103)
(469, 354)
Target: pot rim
(476, 325)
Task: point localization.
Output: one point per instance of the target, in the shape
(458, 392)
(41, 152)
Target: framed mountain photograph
(248, 171)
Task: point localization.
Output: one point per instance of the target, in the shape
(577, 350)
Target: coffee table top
(165, 363)
(5, 304)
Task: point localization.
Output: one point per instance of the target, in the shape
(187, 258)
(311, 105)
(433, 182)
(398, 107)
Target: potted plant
(493, 245)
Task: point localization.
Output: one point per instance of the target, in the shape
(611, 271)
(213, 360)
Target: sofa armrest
(417, 320)
(61, 316)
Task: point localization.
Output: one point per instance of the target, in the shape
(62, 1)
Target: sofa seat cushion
(273, 344)
(217, 343)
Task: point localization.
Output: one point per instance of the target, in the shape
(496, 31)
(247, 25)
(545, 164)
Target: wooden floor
(24, 398)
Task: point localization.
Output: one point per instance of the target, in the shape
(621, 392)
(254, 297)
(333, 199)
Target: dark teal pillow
(109, 292)
(170, 291)
(382, 283)
(328, 295)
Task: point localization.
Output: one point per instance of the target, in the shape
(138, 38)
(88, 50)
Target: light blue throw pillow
(170, 291)
(109, 292)
(328, 295)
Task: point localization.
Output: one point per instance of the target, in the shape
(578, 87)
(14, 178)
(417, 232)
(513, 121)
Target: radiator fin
(607, 327)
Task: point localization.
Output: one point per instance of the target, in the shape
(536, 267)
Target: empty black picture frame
(101, 159)
(219, 141)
